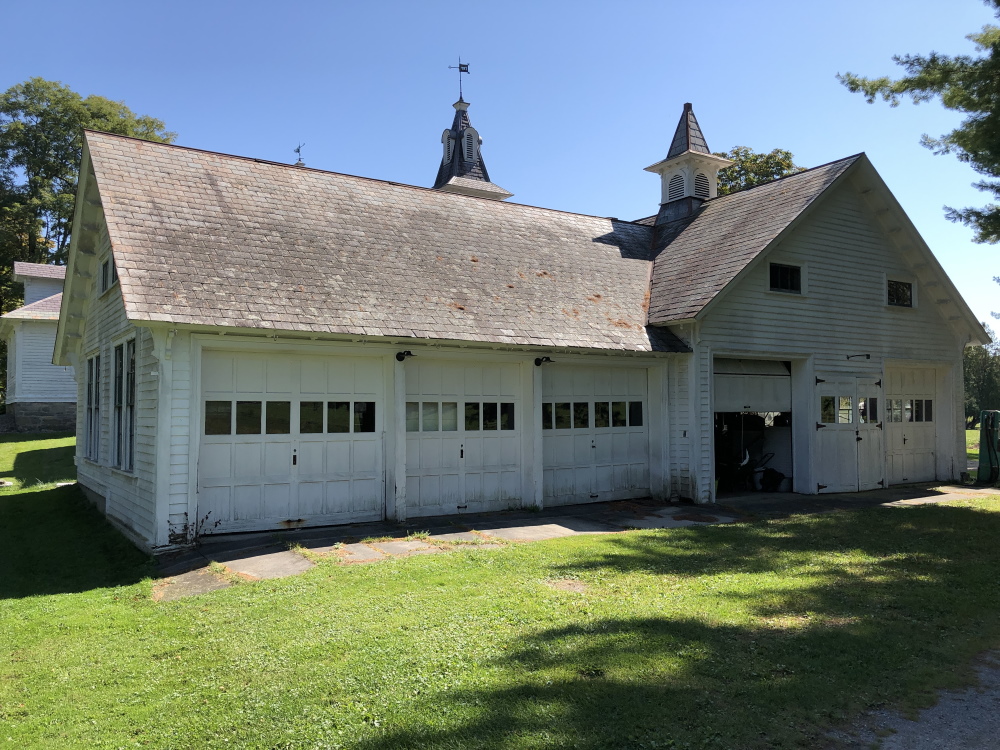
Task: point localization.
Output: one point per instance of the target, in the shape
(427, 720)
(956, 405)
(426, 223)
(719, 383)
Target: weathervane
(461, 68)
(298, 152)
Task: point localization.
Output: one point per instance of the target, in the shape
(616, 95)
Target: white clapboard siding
(679, 420)
(181, 442)
(36, 289)
(36, 379)
(130, 496)
(842, 310)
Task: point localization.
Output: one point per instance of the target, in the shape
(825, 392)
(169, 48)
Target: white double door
(463, 437)
(289, 441)
(595, 443)
(850, 455)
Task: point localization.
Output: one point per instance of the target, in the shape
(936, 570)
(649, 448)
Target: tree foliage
(966, 84)
(41, 145)
(982, 379)
(750, 168)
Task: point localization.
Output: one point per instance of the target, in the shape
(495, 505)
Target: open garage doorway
(753, 426)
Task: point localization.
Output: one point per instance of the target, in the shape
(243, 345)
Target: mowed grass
(756, 635)
(972, 445)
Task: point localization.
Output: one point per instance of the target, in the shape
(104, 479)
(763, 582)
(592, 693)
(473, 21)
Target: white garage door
(910, 424)
(463, 437)
(594, 434)
(289, 441)
(755, 385)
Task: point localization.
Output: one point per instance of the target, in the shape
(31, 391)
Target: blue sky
(572, 99)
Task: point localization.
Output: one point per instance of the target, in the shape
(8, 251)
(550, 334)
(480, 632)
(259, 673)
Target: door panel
(849, 440)
(911, 424)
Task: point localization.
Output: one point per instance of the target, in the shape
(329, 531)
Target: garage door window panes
(561, 415)
(868, 410)
(911, 410)
(489, 415)
(836, 409)
(431, 416)
(278, 417)
(218, 417)
(248, 417)
(310, 417)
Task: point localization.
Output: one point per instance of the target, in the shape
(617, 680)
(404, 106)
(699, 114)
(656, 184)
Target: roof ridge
(787, 176)
(351, 176)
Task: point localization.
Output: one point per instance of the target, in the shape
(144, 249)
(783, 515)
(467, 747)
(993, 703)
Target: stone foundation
(43, 416)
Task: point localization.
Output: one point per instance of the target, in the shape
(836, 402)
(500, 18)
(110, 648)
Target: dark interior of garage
(753, 452)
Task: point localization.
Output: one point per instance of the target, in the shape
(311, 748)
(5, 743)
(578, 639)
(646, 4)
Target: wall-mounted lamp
(539, 361)
(400, 356)
(856, 356)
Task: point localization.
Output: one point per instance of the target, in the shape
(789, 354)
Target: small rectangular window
(490, 416)
(430, 411)
(547, 416)
(896, 410)
(908, 410)
(413, 416)
(471, 416)
(563, 420)
(218, 417)
(868, 410)
(845, 409)
(928, 410)
(900, 293)
(248, 417)
(786, 278)
(449, 416)
(310, 417)
(827, 409)
(278, 418)
(602, 414)
(507, 416)
(635, 413)
(619, 414)
(918, 410)
(338, 416)
(364, 416)
(581, 415)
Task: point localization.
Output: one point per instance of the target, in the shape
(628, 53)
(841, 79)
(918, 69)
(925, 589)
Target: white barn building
(41, 396)
(265, 346)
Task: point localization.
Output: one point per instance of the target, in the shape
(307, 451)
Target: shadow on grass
(44, 465)
(55, 542)
(786, 628)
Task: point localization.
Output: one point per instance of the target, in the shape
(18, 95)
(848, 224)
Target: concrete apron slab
(267, 566)
(188, 584)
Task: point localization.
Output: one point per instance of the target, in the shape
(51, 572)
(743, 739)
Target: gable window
(786, 278)
(899, 293)
(124, 405)
(92, 430)
(109, 274)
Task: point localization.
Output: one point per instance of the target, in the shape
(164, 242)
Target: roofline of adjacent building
(436, 191)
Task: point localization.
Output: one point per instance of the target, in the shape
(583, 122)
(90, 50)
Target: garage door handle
(904, 439)
(295, 459)
(461, 452)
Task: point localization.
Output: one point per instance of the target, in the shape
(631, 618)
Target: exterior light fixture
(539, 361)
(858, 356)
(400, 356)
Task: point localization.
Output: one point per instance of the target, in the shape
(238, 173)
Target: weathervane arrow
(461, 68)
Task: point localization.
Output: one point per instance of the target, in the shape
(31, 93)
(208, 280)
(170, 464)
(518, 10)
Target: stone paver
(535, 533)
(273, 565)
(353, 553)
(188, 584)
(456, 536)
(404, 547)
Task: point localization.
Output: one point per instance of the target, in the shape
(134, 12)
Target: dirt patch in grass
(568, 584)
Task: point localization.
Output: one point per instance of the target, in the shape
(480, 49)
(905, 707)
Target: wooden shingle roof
(696, 258)
(203, 238)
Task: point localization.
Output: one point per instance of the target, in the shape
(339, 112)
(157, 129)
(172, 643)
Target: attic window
(899, 293)
(786, 278)
(109, 274)
(701, 185)
(675, 188)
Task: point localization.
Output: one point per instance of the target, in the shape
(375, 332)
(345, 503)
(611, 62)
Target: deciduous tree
(750, 168)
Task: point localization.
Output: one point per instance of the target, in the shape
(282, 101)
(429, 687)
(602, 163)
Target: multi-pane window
(786, 278)
(566, 415)
(910, 410)
(443, 416)
(899, 293)
(92, 437)
(124, 405)
(109, 274)
(275, 417)
(836, 409)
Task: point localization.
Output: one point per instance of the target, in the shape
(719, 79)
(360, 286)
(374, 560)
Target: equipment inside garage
(753, 425)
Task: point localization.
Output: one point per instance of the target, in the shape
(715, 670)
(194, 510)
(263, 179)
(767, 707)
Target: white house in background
(40, 395)
(266, 346)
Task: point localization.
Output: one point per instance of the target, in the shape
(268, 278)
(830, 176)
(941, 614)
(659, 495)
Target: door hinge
(881, 483)
(880, 425)
(820, 425)
(878, 383)
(857, 436)
(819, 380)
(820, 487)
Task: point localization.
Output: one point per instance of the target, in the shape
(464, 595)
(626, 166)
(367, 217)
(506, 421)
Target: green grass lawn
(972, 445)
(754, 635)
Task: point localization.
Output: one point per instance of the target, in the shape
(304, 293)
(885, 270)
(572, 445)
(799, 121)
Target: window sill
(111, 288)
(783, 293)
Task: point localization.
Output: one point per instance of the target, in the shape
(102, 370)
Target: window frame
(123, 403)
(901, 279)
(92, 423)
(108, 271)
(800, 267)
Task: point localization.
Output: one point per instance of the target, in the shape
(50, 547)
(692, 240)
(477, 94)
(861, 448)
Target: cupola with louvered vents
(462, 169)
